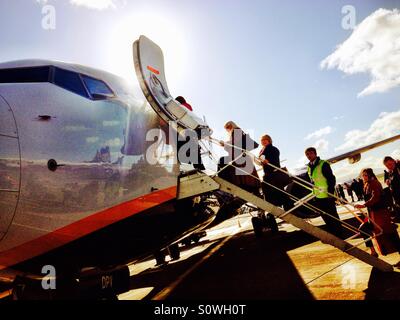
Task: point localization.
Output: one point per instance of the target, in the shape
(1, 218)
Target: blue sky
(254, 62)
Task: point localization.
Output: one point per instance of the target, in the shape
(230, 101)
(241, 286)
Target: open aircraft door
(149, 66)
(10, 166)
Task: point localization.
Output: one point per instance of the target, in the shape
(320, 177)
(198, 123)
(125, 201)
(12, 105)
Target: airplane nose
(10, 165)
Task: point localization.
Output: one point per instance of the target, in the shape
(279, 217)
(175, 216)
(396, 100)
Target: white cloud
(337, 118)
(110, 143)
(92, 4)
(374, 48)
(95, 4)
(319, 133)
(110, 123)
(387, 125)
(75, 128)
(343, 171)
(301, 162)
(92, 139)
(321, 145)
(113, 142)
(396, 154)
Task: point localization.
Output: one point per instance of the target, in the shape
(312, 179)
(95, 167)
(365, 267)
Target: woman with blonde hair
(269, 158)
(378, 212)
(242, 169)
(269, 154)
(237, 168)
(230, 125)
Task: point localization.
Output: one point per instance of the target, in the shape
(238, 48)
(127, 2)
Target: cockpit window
(81, 84)
(98, 89)
(25, 75)
(69, 80)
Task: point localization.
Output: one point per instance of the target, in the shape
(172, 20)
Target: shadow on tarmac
(383, 286)
(245, 268)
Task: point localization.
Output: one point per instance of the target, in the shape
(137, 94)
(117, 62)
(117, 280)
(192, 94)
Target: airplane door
(149, 66)
(10, 166)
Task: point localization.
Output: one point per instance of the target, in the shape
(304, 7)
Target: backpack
(387, 199)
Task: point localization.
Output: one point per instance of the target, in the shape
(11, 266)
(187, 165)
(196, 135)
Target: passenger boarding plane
(76, 186)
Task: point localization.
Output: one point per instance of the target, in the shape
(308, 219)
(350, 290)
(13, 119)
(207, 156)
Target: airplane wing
(355, 155)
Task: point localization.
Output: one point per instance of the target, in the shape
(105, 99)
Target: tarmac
(231, 263)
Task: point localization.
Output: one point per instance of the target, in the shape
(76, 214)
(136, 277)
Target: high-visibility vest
(320, 182)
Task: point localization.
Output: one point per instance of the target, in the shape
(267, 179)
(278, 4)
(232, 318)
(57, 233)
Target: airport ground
(231, 263)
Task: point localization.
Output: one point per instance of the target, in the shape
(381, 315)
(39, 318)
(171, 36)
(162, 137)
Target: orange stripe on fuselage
(153, 70)
(84, 227)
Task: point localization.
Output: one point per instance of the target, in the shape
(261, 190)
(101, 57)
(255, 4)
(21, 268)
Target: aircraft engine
(355, 158)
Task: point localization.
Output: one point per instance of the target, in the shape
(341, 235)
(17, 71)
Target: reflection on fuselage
(100, 149)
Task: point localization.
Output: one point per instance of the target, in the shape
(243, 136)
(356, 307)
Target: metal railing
(305, 201)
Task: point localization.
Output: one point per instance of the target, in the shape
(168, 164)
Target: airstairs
(149, 66)
(198, 183)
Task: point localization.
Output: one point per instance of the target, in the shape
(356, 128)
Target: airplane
(78, 185)
(76, 188)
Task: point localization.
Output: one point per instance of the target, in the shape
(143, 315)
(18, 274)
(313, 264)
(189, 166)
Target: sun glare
(166, 33)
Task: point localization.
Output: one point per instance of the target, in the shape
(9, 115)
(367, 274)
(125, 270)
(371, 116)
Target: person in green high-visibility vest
(321, 175)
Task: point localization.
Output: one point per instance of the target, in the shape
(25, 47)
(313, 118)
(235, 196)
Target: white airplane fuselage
(73, 164)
